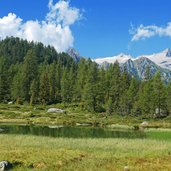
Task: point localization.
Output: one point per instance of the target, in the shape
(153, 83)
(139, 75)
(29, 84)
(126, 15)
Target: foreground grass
(52, 154)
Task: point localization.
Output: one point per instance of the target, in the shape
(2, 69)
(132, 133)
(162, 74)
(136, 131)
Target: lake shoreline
(37, 115)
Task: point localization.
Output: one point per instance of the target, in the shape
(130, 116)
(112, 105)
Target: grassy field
(52, 154)
(28, 152)
(38, 115)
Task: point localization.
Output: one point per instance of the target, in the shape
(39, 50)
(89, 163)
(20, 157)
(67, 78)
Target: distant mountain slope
(163, 59)
(74, 54)
(137, 66)
(121, 58)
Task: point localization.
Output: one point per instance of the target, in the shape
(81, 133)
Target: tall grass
(44, 153)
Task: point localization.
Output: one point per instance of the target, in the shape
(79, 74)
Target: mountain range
(136, 66)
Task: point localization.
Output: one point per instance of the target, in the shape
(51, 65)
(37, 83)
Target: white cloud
(144, 32)
(10, 25)
(62, 13)
(54, 30)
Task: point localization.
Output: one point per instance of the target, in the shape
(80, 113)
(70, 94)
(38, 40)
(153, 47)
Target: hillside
(36, 74)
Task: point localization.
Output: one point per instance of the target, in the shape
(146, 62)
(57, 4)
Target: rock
(126, 168)
(11, 102)
(83, 124)
(1, 130)
(160, 113)
(144, 124)
(55, 127)
(5, 166)
(55, 110)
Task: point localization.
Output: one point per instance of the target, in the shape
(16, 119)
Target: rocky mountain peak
(74, 54)
(168, 52)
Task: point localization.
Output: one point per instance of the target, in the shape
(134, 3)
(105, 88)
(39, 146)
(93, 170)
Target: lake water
(70, 132)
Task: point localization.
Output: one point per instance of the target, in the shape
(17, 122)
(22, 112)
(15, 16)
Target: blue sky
(99, 27)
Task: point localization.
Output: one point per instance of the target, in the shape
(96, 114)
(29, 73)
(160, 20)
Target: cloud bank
(54, 30)
(143, 32)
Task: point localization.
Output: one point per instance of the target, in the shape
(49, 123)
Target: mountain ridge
(162, 58)
(137, 66)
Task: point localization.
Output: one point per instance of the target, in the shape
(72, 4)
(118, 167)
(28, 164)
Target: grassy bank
(28, 152)
(52, 154)
(74, 115)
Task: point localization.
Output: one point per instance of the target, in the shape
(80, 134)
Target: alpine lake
(70, 131)
(84, 132)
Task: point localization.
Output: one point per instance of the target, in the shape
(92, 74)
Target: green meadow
(26, 114)
(30, 152)
(86, 154)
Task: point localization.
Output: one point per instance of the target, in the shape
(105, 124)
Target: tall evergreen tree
(29, 72)
(114, 92)
(17, 86)
(65, 87)
(91, 92)
(159, 95)
(80, 80)
(44, 88)
(132, 94)
(53, 83)
(4, 81)
(168, 97)
(33, 92)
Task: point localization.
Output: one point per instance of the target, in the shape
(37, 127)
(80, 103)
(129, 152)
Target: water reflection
(70, 132)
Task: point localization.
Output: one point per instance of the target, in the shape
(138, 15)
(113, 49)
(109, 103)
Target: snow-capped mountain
(141, 65)
(121, 58)
(137, 66)
(163, 59)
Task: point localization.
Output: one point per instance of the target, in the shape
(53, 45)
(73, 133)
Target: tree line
(35, 74)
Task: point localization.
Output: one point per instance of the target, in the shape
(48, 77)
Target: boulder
(11, 102)
(160, 113)
(126, 168)
(144, 124)
(55, 127)
(1, 130)
(55, 110)
(5, 166)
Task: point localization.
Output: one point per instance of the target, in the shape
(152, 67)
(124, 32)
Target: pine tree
(17, 87)
(109, 106)
(29, 72)
(53, 83)
(147, 74)
(80, 80)
(91, 93)
(44, 88)
(33, 92)
(132, 94)
(65, 87)
(4, 81)
(114, 91)
(159, 95)
(168, 97)
(146, 99)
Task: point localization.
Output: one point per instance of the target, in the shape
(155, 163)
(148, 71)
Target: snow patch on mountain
(163, 59)
(121, 58)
